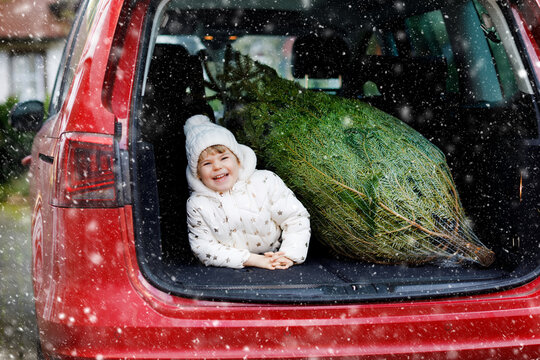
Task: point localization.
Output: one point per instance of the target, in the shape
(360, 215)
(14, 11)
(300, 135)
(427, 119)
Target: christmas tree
(376, 189)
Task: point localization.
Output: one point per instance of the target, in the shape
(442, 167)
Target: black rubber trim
(46, 158)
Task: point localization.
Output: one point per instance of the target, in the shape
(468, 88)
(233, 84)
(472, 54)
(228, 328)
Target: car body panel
(104, 300)
(83, 101)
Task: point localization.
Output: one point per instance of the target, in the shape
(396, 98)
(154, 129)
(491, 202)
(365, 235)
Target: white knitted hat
(202, 133)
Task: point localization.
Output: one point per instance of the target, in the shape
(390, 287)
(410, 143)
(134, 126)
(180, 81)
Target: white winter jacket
(259, 214)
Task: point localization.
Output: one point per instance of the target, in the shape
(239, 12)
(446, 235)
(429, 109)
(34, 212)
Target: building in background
(32, 35)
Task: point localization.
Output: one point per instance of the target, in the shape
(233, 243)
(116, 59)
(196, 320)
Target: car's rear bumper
(452, 336)
(103, 308)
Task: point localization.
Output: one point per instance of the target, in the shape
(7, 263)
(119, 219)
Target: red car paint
(93, 302)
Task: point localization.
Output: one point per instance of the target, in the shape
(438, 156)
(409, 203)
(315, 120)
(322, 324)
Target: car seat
(411, 84)
(174, 91)
(323, 55)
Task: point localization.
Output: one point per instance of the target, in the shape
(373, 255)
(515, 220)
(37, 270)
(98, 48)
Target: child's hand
(260, 261)
(279, 260)
(269, 261)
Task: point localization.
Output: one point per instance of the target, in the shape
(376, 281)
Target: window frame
(64, 76)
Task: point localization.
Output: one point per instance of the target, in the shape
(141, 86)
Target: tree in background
(14, 145)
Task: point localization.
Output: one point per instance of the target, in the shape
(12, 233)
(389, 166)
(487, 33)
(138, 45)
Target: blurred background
(32, 37)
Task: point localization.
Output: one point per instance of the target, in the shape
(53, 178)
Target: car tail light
(85, 175)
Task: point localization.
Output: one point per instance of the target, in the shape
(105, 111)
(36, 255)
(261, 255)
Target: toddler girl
(237, 215)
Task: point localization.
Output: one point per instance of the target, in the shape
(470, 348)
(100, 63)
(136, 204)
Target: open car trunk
(483, 117)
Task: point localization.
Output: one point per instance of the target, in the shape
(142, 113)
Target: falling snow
(475, 117)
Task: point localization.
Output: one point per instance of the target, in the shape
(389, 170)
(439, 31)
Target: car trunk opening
(438, 69)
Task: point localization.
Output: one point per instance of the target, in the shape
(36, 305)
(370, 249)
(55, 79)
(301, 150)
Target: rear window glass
(72, 53)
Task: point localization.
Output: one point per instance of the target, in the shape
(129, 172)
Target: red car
(114, 276)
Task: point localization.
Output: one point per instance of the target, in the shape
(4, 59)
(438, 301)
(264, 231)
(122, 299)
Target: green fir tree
(376, 189)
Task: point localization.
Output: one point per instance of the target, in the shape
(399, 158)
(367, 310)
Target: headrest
(321, 56)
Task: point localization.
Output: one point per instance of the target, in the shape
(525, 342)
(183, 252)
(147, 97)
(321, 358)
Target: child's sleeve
(207, 248)
(293, 218)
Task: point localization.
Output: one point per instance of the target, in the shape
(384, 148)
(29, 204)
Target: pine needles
(376, 189)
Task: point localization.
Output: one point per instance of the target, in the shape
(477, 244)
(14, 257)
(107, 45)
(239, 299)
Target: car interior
(430, 64)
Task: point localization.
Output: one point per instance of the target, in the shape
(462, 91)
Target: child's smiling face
(218, 170)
